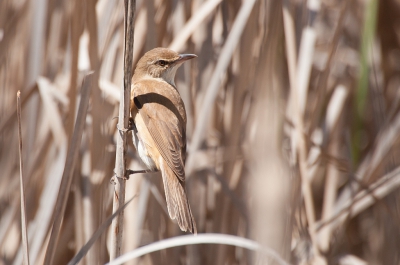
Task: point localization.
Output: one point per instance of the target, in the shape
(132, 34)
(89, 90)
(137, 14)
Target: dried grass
(293, 128)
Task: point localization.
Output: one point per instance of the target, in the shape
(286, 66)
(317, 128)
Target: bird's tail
(177, 201)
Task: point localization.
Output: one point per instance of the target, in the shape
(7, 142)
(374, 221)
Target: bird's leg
(131, 172)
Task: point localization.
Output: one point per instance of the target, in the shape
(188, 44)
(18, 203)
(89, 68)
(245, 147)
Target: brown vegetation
(293, 125)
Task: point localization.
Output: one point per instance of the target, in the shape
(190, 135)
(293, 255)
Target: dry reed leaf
(41, 41)
(70, 162)
(51, 109)
(220, 68)
(364, 199)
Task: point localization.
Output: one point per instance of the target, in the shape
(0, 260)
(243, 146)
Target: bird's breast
(144, 143)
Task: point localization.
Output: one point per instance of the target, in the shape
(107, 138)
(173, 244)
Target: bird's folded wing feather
(164, 126)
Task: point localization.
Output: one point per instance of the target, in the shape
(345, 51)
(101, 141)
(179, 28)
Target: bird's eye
(162, 63)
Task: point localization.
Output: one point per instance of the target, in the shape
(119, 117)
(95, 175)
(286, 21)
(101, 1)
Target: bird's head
(160, 63)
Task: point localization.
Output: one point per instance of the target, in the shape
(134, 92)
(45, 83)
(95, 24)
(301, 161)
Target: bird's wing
(164, 122)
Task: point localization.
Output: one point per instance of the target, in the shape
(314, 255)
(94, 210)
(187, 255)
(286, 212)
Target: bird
(159, 127)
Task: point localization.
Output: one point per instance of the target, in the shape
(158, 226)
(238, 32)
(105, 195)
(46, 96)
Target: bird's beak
(184, 57)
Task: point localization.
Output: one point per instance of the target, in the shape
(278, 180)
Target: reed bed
(293, 130)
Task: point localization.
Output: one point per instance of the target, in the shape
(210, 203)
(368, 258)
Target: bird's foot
(131, 126)
(113, 179)
(129, 172)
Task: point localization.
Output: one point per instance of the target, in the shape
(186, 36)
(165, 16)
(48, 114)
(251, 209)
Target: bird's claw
(121, 130)
(113, 179)
(131, 126)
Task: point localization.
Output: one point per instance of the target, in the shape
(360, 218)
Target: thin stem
(84, 250)
(123, 122)
(21, 181)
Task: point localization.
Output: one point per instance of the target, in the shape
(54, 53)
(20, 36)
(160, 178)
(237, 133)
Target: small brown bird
(159, 129)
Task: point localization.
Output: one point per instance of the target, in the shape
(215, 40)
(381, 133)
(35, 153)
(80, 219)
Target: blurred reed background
(293, 126)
